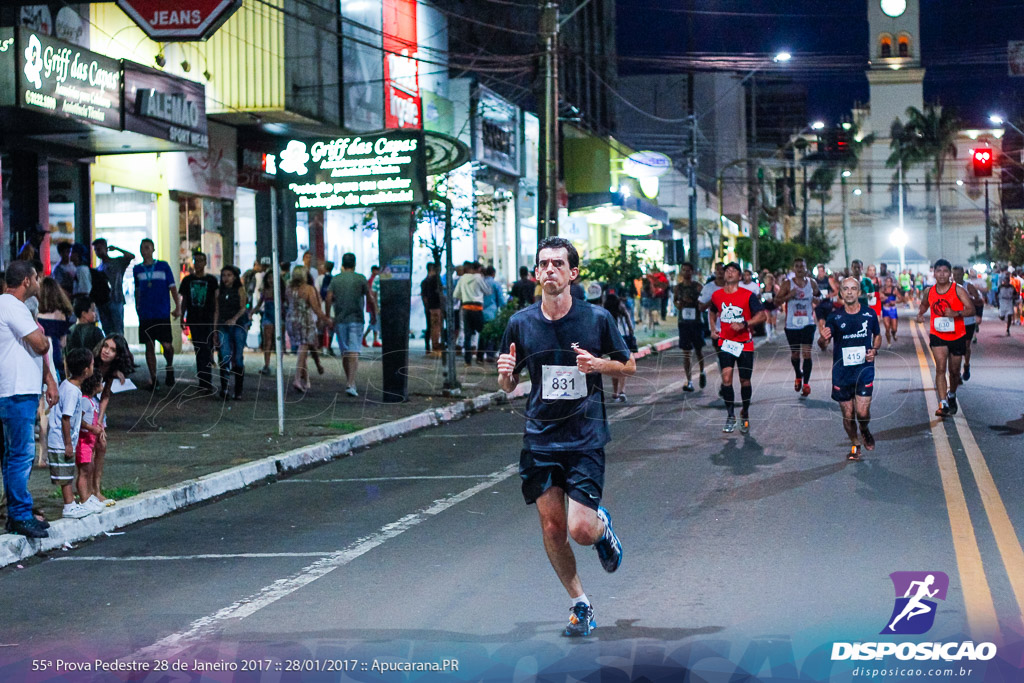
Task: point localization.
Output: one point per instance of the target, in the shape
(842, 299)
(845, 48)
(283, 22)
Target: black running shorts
(579, 473)
(803, 336)
(957, 347)
(691, 336)
(745, 362)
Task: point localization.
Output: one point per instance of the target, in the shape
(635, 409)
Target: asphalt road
(743, 554)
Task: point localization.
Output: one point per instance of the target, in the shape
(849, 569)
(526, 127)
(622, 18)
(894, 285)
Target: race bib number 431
(563, 383)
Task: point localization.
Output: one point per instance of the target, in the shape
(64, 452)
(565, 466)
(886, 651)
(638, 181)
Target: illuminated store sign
(355, 171)
(402, 101)
(65, 80)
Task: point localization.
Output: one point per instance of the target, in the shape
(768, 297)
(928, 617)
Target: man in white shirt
(470, 290)
(23, 347)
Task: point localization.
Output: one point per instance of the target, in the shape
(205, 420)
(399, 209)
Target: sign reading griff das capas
(356, 171)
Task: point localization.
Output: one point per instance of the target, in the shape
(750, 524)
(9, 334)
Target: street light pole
(694, 254)
(547, 190)
(755, 227)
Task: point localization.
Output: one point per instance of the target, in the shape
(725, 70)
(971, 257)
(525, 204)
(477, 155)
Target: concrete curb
(163, 501)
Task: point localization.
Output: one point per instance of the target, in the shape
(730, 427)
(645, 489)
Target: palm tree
(929, 136)
(825, 175)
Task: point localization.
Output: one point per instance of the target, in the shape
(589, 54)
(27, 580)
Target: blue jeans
(232, 344)
(18, 414)
(111, 317)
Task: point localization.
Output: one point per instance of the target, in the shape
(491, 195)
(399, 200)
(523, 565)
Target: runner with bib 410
(949, 305)
(733, 311)
(567, 345)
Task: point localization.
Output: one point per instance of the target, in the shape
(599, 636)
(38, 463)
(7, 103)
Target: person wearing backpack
(113, 269)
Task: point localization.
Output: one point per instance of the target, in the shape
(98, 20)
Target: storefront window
(245, 229)
(124, 218)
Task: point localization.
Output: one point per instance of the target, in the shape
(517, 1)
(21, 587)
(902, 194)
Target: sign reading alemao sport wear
(171, 20)
(65, 80)
(355, 171)
(165, 107)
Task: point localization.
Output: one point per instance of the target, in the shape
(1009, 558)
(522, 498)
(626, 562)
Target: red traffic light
(981, 162)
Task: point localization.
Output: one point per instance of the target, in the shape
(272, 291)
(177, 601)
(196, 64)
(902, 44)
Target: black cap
(733, 264)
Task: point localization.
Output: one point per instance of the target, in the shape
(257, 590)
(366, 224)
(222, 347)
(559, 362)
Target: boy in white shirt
(65, 422)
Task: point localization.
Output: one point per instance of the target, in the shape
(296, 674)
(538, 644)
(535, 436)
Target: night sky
(963, 46)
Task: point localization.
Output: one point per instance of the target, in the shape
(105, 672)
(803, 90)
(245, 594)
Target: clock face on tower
(894, 8)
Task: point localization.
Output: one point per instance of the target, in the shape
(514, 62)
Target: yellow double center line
(981, 614)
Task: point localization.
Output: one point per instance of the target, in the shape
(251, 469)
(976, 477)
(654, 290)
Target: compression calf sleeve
(729, 394)
(796, 366)
(746, 391)
(808, 364)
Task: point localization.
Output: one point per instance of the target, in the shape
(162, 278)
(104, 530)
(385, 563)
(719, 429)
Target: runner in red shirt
(949, 304)
(733, 311)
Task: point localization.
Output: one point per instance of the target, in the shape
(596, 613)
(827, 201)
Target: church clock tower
(895, 74)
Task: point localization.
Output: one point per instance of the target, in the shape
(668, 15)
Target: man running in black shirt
(562, 342)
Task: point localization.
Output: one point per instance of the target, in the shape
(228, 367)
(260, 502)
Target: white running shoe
(94, 504)
(351, 391)
(76, 511)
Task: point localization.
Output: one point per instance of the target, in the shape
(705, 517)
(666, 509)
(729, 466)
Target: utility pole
(694, 254)
(753, 179)
(807, 230)
(988, 228)
(547, 190)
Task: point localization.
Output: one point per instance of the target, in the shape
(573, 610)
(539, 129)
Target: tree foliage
(1008, 241)
(613, 266)
(778, 255)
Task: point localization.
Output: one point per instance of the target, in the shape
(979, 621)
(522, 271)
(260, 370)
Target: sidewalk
(160, 441)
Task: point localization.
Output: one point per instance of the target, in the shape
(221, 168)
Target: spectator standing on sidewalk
(84, 334)
(430, 295)
(54, 315)
(494, 301)
(83, 278)
(348, 296)
(303, 314)
(114, 267)
(23, 372)
(470, 290)
(65, 424)
(232, 327)
(522, 290)
(199, 305)
(325, 282)
(268, 323)
(64, 270)
(154, 280)
(374, 283)
(92, 442)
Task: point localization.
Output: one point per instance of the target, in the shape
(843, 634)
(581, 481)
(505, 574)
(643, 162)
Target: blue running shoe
(609, 550)
(581, 621)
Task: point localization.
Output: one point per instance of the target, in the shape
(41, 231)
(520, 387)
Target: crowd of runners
(567, 346)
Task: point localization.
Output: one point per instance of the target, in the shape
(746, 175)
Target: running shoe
(265, 371)
(953, 407)
(76, 511)
(703, 380)
(688, 388)
(744, 425)
(868, 438)
(854, 453)
(581, 621)
(730, 425)
(797, 383)
(609, 550)
(806, 390)
(942, 410)
(967, 373)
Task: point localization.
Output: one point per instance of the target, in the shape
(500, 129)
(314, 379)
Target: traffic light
(981, 162)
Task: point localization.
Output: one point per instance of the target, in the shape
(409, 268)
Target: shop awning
(579, 202)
